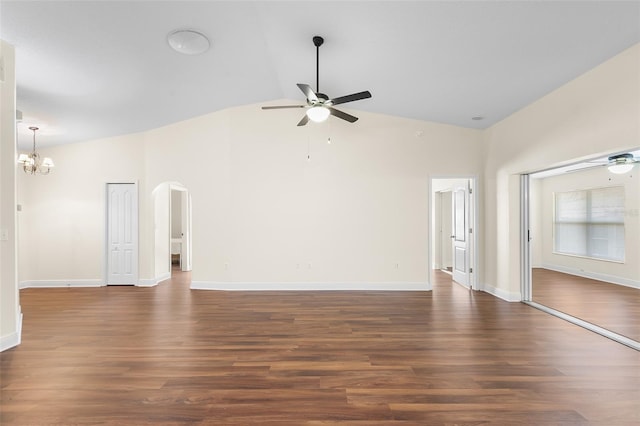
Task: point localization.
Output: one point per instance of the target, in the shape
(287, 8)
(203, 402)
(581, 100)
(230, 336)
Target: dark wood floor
(611, 306)
(168, 355)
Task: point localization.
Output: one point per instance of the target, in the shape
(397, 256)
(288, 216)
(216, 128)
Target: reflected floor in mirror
(611, 306)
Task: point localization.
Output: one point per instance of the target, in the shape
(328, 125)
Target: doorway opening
(172, 229)
(453, 229)
(180, 228)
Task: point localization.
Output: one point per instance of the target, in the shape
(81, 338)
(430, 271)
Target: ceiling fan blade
(304, 120)
(283, 106)
(350, 98)
(340, 114)
(308, 92)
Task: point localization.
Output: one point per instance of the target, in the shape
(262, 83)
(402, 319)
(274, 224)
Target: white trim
(310, 286)
(13, 339)
(612, 279)
(151, 282)
(509, 296)
(525, 237)
(60, 283)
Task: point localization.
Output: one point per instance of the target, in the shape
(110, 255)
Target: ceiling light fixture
(318, 114)
(188, 42)
(32, 163)
(622, 163)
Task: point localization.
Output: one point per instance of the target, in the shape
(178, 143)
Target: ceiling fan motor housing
(621, 158)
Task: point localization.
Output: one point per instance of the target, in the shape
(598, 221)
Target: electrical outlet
(4, 235)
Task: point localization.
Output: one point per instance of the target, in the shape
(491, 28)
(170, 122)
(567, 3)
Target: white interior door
(446, 230)
(185, 255)
(122, 233)
(460, 235)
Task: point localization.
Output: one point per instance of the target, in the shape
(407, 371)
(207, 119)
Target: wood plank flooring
(611, 306)
(172, 356)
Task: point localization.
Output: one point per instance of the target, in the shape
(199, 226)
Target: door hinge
(470, 270)
(470, 230)
(470, 191)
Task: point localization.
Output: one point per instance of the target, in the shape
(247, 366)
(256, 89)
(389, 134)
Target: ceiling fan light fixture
(318, 114)
(621, 164)
(620, 169)
(188, 42)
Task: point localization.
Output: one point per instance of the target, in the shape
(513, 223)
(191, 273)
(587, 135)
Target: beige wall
(10, 316)
(597, 113)
(628, 272)
(62, 222)
(263, 216)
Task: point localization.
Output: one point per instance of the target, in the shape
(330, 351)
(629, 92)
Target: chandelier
(32, 163)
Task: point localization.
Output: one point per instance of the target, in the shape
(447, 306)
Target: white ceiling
(87, 70)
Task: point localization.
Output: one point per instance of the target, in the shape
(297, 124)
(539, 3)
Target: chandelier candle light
(32, 163)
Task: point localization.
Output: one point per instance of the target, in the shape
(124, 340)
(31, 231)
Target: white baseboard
(509, 296)
(13, 339)
(151, 282)
(627, 282)
(310, 286)
(60, 283)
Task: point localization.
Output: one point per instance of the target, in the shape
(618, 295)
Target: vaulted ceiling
(93, 69)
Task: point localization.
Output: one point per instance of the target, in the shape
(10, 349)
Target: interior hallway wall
(10, 315)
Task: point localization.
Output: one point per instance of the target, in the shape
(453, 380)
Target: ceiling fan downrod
(317, 41)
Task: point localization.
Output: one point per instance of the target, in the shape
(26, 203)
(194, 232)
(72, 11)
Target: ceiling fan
(319, 105)
(618, 164)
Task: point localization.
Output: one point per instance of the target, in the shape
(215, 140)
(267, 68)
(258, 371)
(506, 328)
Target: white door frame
(474, 220)
(106, 230)
(525, 240)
